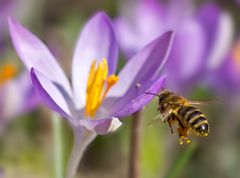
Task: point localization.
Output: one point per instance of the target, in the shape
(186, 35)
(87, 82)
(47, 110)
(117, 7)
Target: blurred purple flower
(202, 36)
(238, 2)
(97, 96)
(16, 92)
(17, 96)
(225, 79)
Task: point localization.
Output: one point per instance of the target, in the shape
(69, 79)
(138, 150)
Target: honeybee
(174, 108)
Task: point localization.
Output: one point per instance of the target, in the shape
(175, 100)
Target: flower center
(236, 54)
(7, 72)
(98, 86)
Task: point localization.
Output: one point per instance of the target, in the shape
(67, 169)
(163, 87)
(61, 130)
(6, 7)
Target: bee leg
(164, 120)
(183, 134)
(170, 121)
(165, 116)
(170, 125)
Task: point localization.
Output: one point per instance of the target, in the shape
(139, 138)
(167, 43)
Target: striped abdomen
(194, 119)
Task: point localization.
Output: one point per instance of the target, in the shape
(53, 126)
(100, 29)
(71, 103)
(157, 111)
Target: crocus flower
(97, 97)
(17, 95)
(203, 36)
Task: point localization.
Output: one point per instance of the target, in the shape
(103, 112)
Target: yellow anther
(105, 66)
(7, 72)
(96, 89)
(91, 75)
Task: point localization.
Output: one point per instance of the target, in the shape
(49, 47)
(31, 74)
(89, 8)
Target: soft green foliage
(153, 148)
(179, 165)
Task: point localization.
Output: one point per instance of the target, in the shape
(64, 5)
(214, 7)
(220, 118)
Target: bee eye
(163, 107)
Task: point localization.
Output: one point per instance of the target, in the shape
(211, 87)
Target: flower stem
(134, 162)
(82, 138)
(58, 146)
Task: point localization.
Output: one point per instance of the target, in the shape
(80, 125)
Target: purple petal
(128, 38)
(101, 126)
(141, 100)
(144, 66)
(133, 25)
(51, 94)
(208, 16)
(180, 12)
(97, 41)
(34, 53)
(222, 42)
(185, 59)
(218, 28)
(150, 13)
(225, 79)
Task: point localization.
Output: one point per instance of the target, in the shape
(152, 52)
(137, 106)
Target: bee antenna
(149, 93)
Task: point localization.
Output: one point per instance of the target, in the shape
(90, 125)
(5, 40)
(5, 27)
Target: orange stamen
(7, 72)
(236, 54)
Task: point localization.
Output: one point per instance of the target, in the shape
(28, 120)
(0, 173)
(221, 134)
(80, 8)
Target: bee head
(164, 107)
(163, 103)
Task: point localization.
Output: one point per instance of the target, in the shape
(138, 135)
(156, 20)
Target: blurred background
(204, 64)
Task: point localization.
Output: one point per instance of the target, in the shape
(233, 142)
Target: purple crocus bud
(202, 36)
(97, 96)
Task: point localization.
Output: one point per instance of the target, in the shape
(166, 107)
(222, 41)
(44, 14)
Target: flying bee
(174, 108)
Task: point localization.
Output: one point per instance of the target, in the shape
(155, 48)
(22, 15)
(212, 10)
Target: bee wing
(204, 102)
(159, 118)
